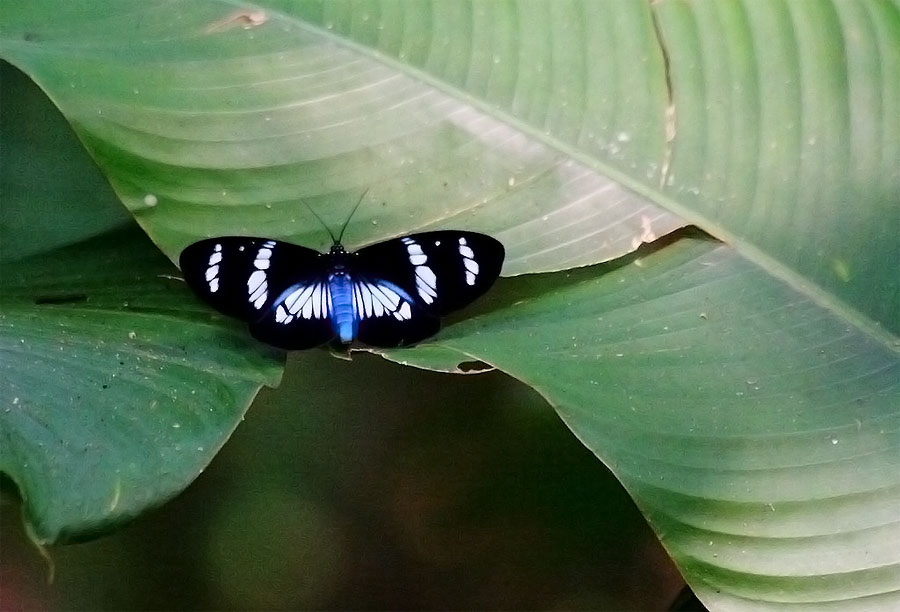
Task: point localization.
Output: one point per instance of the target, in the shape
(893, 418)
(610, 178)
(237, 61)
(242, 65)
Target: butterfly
(388, 294)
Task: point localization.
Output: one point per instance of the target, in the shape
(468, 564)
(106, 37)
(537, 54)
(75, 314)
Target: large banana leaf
(745, 393)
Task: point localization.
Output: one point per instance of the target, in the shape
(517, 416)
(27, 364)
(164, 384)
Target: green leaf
(758, 432)
(787, 139)
(222, 120)
(574, 131)
(119, 388)
(46, 203)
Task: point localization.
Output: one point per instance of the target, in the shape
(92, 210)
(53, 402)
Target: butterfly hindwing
(388, 316)
(442, 270)
(299, 318)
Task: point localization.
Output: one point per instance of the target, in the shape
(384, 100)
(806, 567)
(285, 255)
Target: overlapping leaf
(218, 121)
(757, 431)
(118, 388)
(754, 419)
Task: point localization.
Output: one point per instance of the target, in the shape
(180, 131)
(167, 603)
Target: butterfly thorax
(338, 259)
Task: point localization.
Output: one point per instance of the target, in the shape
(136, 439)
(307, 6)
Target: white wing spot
(426, 284)
(212, 272)
(258, 292)
(425, 276)
(469, 262)
(389, 294)
(357, 301)
(290, 300)
(307, 302)
(377, 306)
(307, 311)
(214, 285)
(257, 284)
(316, 300)
(215, 258)
(380, 300)
(367, 299)
(301, 296)
(256, 280)
(260, 295)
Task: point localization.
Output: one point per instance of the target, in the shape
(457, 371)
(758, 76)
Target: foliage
(745, 393)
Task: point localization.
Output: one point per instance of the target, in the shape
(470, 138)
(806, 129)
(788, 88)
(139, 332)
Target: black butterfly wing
(432, 274)
(393, 293)
(442, 270)
(387, 315)
(299, 318)
(250, 278)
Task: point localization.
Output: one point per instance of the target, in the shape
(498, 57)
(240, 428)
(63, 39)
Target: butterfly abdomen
(343, 318)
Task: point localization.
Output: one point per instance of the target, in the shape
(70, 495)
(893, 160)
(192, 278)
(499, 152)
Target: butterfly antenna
(352, 212)
(319, 219)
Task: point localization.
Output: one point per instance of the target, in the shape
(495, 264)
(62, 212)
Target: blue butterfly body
(392, 293)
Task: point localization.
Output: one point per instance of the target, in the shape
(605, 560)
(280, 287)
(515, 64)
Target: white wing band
(380, 299)
(304, 301)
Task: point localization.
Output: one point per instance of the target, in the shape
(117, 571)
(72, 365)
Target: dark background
(367, 485)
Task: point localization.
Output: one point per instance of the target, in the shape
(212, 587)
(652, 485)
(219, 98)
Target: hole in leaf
(474, 367)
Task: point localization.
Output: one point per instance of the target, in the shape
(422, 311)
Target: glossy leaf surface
(574, 131)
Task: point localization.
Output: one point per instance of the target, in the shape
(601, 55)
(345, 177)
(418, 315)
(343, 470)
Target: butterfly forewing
(442, 270)
(241, 276)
